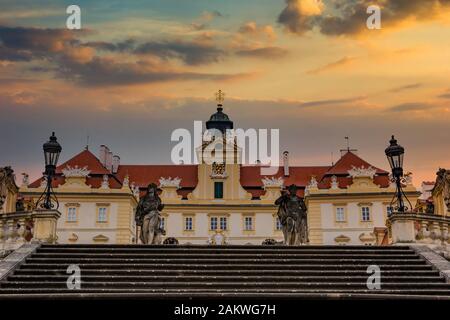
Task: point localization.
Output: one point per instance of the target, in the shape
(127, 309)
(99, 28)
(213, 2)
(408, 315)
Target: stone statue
(6, 183)
(292, 215)
(148, 217)
(443, 185)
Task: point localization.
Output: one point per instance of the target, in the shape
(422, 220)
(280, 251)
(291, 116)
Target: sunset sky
(139, 69)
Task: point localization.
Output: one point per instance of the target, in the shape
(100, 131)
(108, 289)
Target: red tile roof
(300, 176)
(250, 176)
(95, 178)
(143, 175)
(346, 162)
(84, 158)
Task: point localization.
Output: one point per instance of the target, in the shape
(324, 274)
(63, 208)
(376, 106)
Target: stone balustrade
(17, 228)
(422, 229)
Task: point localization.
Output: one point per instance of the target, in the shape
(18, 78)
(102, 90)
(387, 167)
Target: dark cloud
(107, 72)
(36, 40)
(411, 106)
(265, 53)
(319, 103)
(127, 45)
(445, 95)
(333, 65)
(10, 54)
(348, 17)
(190, 53)
(406, 87)
(294, 19)
(206, 17)
(73, 60)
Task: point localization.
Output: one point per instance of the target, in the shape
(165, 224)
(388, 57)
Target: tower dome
(219, 120)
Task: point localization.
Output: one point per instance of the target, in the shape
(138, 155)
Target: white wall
(353, 227)
(86, 228)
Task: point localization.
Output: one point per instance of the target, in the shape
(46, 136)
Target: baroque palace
(98, 196)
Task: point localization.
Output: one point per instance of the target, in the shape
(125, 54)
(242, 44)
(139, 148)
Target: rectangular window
(248, 223)
(102, 216)
(365, 213)
(218, 190)
(340, 214)
(223, 223)
(188, 225)
(278, 224)
(72, 214)
(213, 223)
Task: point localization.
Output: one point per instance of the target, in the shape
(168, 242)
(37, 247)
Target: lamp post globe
(52, 150)
(395, 153)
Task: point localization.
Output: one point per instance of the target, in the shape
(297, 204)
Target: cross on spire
(220, 97)
(343, 151)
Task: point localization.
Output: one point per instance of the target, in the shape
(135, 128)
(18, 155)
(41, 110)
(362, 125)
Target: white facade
(354, 226)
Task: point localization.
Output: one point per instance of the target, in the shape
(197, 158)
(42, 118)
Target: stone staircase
(119, 271)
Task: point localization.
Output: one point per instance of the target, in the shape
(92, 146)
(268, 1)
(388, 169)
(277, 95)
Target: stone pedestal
(45, 225)
(403, 231)
(170, 193)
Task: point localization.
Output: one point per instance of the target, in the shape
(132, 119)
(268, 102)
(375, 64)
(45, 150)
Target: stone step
(238, 266)
(213, 260)
(196, 271)
(227, 284)
(222, 248)
(218, 250)
(216, 278)
(56, 294)
(170, 255)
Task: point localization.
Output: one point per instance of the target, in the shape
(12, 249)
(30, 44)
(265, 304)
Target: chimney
(109, 160)
(115, 164)
(286, 163)
(103, 154)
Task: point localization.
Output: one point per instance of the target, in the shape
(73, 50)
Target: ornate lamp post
(52, 149)
(395, 153)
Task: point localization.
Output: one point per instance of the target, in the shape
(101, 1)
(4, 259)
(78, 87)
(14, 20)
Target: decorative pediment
(75, 177)
(362, 172)
(75, 172)
(169, 182)
(342, 239)
(367, 237)
(73, 237)
(169, 188)
(100, 238)
(272, 182)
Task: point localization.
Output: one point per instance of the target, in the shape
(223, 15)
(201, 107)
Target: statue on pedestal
(292, 215)
(148, 216)
(442, 185)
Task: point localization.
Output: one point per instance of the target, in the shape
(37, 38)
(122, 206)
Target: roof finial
(220, 98)
(344, 151)
(87, 142)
